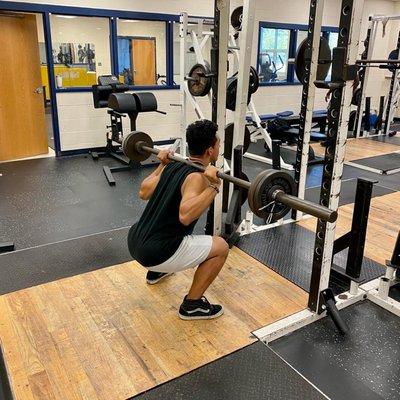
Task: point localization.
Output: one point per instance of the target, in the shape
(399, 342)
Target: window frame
(293, 28)
(113, 18)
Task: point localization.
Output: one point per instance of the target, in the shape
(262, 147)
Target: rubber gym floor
(78, 321)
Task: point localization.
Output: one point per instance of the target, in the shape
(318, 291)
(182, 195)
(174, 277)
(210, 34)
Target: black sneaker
(199, 309)
(154, 277)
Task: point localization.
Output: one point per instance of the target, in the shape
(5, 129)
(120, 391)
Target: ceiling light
(66, 16)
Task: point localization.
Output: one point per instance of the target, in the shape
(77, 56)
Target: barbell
(270, 195)
(325, 61)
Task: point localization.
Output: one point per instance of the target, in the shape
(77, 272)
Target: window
(81, 50)
(278, 44)
(274, 54)
(301, 35)
(333, 39)
(142, 52)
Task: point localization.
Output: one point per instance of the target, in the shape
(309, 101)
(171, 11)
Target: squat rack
(321, 299)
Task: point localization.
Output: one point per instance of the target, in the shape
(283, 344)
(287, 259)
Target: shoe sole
(186, 318)
(157, 280)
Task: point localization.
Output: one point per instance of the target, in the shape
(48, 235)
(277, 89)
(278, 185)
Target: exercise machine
(111, 94)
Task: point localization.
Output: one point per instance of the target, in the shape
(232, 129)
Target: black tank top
(158, 233)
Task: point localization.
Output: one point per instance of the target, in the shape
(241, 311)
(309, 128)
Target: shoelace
(204, 299)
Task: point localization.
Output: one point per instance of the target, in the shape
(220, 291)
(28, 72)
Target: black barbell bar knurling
(302, 205)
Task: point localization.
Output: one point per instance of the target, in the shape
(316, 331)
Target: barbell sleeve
(378, 61)
(294, 202)
(306, 206)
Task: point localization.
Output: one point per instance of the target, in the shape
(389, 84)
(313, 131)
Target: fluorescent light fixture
(66, 16)
(128, 20)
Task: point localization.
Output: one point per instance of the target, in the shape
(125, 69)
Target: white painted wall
(81, 126)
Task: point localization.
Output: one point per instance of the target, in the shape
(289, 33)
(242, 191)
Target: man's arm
(150, 183)
(197, 196)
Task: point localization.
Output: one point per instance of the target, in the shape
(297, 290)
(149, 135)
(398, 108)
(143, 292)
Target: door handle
(38, 90)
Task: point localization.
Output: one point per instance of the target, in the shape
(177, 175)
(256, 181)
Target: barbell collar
(306, 206)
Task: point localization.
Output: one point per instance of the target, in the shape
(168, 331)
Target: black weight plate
(231, 89)
(356, 97)
(253, 191)
(229, 140)
(236, 18)
(201, 85)
(394, 55)
(324, 60)
(352, 120)
(129, 146)
(254, 81)
(268, 183)
(244, 177)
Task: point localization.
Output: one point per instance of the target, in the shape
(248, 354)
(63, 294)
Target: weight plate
(394, 55)
(236, 18)
(253, 192)
(130, 148)
(254, 81)
(352, 121)
(303, 56)
(356, 97)
(231, 89)
(261, 194)
(229, 140)
(244, 177)
(199, 84)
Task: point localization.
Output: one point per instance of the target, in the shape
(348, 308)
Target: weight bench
(269, 117)
(315, 136)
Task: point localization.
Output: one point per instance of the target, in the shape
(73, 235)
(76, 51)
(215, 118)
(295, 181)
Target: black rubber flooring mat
(347, 192)
(288, 155)
(252, 373)
(47, 200)
(288, 250)
(361, 365)
(47, 263)
(349, 172)
(385, 163)
(386, 139)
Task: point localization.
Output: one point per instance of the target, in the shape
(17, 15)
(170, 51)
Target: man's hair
(201, 135)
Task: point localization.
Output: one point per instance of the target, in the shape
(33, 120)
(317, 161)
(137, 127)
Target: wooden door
(144, 61)
(22, 117)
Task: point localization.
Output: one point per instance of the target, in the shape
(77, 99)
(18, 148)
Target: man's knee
(222, 248)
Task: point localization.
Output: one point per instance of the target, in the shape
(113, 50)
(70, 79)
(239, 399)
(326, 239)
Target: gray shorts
(193, 250)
